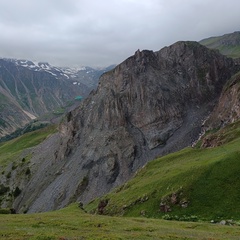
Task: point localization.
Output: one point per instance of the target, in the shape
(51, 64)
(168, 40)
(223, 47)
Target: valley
(31, 90)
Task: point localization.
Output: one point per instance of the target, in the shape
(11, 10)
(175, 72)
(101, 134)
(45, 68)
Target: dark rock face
(151, 104)
(228, 108)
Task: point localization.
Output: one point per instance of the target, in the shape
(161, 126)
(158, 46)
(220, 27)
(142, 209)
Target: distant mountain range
(29, 90)
(228, 44)
(86, 75)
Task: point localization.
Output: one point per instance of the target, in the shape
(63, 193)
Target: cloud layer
(100, 33)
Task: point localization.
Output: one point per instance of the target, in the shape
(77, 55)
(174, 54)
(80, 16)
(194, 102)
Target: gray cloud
(99, 33)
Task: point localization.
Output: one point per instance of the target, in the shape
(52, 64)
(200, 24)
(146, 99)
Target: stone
(164, 208)
(223, 222)
(174, 199)
(184, 204)
(102, 204)
(143, 212)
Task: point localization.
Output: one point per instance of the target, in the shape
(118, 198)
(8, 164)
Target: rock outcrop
(228, 108)
(152, 104)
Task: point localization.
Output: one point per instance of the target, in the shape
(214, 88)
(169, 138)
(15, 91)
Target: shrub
(17, 192)
(185, 218)
(9, 175)
(3, 189)
(28, 171)
(14, 166)
(5, 211)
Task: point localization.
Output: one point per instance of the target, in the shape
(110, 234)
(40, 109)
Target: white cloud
(96, 33)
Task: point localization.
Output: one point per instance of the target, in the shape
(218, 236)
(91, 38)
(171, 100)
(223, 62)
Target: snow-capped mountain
(29, 89)
(85, 75)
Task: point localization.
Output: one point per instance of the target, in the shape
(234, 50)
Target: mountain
(152, 104)
(228, 44)
(85, 76)
(89, 76)
(29, 90)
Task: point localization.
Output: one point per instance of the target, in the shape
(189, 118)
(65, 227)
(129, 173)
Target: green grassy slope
(10, 150)
(72, 223)
(228, 44)
(197, 184)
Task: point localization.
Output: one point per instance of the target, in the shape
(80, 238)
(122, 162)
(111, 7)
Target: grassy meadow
(10, 150)
(72, 223)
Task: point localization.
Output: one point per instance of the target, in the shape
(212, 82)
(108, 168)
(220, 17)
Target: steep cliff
(151, 104)
(228, 108)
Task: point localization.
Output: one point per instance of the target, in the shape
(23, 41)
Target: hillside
(152, 104)
(175, 180)
(190, 185)
(15, 163)
(228, 44)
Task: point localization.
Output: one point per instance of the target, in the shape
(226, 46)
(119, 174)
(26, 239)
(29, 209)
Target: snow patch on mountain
(58, 72)
(81, 75)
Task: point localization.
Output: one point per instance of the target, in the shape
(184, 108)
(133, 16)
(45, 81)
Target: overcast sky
(105, 32)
